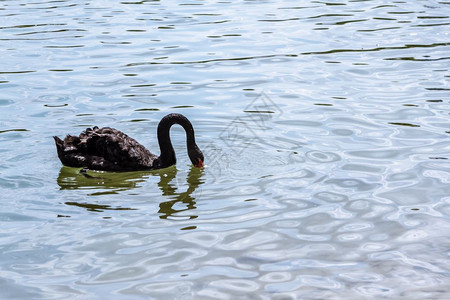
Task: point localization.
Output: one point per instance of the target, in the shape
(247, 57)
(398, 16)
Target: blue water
(325, 128)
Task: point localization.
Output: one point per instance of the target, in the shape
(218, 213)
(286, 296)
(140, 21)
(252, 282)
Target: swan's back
(104, 148)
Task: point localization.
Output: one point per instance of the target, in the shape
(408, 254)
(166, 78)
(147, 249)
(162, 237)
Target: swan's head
(196, 157)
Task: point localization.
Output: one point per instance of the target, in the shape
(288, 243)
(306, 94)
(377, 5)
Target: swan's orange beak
(200, 163)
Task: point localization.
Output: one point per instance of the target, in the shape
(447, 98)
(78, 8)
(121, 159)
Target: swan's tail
(59, 147)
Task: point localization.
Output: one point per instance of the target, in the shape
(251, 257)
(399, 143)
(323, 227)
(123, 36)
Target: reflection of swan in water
(110, 183)
(104, 183)
(187, 199)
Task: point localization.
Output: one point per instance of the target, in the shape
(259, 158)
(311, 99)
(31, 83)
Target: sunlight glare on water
(325, 128)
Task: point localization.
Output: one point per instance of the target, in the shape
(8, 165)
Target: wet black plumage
(109, 149)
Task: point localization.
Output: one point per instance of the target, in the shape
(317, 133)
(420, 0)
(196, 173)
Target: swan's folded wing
(117, 147)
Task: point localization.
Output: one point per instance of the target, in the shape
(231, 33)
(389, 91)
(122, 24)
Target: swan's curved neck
(167, 157)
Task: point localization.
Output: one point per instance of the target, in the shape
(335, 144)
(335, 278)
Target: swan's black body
(109, 149)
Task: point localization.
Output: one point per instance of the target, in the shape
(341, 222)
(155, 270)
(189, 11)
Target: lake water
(325, 128)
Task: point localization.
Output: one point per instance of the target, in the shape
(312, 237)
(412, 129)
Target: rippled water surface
(326, 132)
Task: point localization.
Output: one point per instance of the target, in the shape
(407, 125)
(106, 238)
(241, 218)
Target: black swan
(108, 149)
